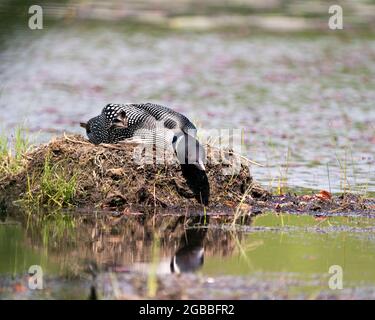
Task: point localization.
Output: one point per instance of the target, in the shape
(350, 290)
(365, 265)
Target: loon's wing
(134, 115)
(135, 119)
(171, 118)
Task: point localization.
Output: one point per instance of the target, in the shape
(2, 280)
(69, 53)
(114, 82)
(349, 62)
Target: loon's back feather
(171, 118)
(149, 114)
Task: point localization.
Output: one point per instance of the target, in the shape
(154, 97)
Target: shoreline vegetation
(69, 172)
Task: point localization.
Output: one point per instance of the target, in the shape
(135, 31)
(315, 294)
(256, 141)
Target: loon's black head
(187, 259)
(189, 151)
(96, 130)
(115, 116)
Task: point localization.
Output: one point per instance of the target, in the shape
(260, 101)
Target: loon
(150, 123)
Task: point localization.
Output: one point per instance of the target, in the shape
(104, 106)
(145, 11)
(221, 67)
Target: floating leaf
(324, 195)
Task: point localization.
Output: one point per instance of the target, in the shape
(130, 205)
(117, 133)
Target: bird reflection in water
(189, 256)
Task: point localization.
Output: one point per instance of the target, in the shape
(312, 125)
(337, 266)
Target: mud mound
(108, 176)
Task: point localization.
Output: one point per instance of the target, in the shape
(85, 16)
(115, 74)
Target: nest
(107, 176)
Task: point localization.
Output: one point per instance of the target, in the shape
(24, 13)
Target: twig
(115, 147)
(342, 207)
(105, 145)
(75, 141)
(238, 155)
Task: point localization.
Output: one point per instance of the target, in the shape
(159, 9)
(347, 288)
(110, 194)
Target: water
(306, 105)
(271, 248)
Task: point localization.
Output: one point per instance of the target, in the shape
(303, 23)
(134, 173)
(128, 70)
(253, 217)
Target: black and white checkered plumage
(150, 123)
(148, 114)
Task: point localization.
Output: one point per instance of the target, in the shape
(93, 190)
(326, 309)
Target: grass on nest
(12, 151)
(55, 187)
